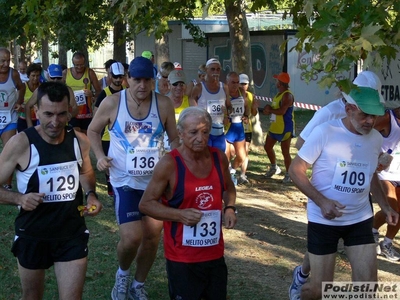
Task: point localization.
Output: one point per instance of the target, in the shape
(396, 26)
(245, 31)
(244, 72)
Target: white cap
(117, 69)
(243, 78)
(177, 66)
(37, 61)
(212, 61)
(371, 80)
(176, 76)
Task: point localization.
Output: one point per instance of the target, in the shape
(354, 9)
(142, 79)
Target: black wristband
(231, 207)
(91, 192)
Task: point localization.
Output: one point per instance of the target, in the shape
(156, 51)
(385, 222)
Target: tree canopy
(338, 32)
(342, 32)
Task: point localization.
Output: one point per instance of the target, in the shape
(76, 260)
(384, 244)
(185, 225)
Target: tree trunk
(241, 50)
(22, 51)
(14, 52)
(45, 53)
(119, 45)
(62, 55)
(86, 53)
(162, 50)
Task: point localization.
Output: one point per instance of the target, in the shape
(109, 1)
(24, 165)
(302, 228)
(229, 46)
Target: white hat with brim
(371, 80)
(176, 76)
(212, 61)
(366, 99)
(243, 78)
(117, 69)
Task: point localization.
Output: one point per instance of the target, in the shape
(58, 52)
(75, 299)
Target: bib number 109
(353, 178)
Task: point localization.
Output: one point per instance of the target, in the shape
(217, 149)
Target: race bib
(59, 182)
(351, 177)
(141, 161)
(5, 118)
(215, 109)
(272, 117)
(80, 97)
(206, 233)
(237, 110)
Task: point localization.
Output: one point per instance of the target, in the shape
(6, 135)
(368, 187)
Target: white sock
(136, 283)
(301, 278)
(123, 272)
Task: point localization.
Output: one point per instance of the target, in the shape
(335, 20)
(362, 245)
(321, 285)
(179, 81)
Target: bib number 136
(142, 161)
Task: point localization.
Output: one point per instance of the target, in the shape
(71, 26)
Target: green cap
(147, 54)
(366, 99)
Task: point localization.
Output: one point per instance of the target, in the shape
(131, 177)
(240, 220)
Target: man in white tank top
(12, 92)
(137, 118)
(213, 96)
(234, 134)
(389, 127)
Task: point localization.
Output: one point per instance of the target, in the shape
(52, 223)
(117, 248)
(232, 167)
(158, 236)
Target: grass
(242, 254)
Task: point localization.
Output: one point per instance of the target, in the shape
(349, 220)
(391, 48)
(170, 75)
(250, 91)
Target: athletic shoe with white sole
(295, 287)
(273, 171)
(121, 287)
(138, 293)
(389, 252)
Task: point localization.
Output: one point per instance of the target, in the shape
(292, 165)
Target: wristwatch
(231, 207)
(91, 192)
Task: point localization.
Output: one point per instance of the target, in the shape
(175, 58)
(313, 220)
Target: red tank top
(203, 242)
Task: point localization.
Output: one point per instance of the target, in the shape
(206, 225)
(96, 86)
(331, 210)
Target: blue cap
(141, 67)
(55, 71)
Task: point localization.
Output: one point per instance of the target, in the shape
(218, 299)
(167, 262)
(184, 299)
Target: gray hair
(193, 111)
(166, 68)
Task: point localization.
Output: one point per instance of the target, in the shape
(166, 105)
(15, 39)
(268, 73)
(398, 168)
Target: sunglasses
(56, 78)
(117, 76)
(180, 84)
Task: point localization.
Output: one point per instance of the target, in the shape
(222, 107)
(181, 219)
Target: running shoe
(121, 287)
(388, 251)
(295, 287)
(138, 293)
(273, 171)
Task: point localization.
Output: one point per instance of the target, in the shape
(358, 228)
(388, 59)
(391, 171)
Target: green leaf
(308, 8)
(345, 85)
(370, 30)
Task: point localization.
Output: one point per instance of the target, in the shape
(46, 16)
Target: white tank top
(135, 145)
(392, 141)
(213, 102)
(237, 109)
(8, 98)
